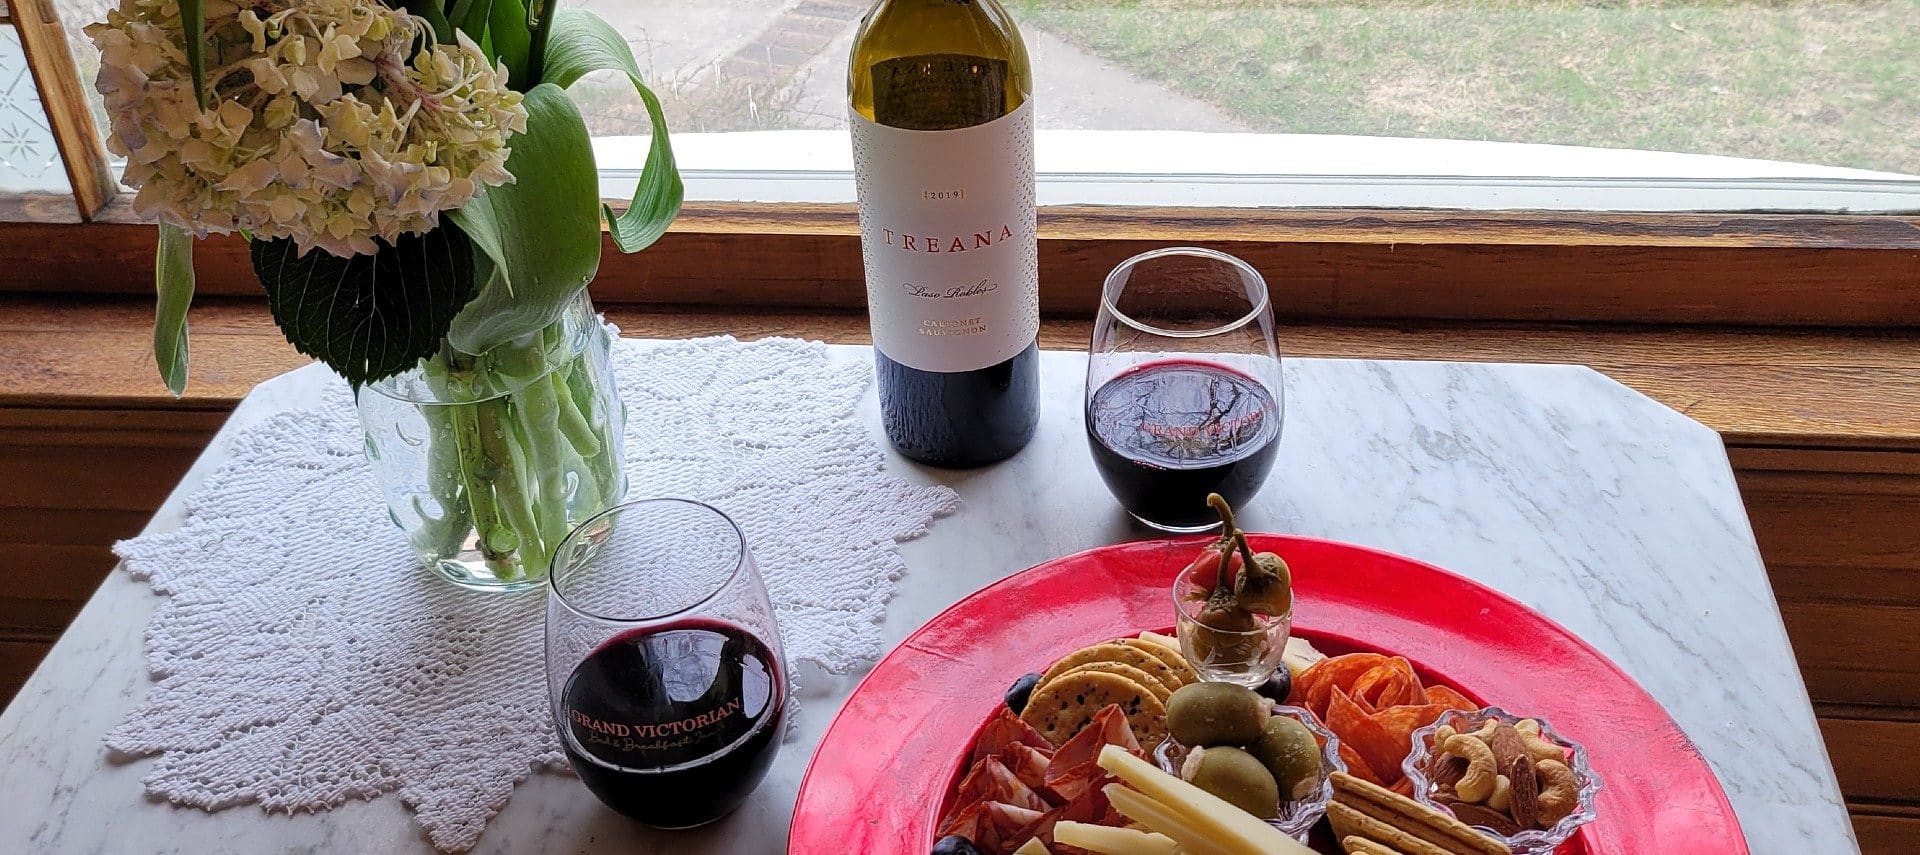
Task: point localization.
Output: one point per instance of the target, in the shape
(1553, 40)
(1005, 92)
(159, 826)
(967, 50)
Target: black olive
(954, 844)
(1020, 691)
(1277, 686)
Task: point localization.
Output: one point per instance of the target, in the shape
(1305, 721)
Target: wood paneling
(1886, 829)
(1840, 532)
(17, 661)
(1323, 265)
(1857, 654)
(62, 578)
(1874, 759)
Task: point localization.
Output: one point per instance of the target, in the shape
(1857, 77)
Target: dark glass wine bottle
(943, 163)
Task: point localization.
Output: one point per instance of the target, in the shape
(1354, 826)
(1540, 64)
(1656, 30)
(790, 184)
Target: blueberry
(954, 844)
(1278, 685)
(1020, 691)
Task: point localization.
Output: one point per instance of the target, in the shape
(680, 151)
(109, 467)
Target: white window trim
(1295, 170)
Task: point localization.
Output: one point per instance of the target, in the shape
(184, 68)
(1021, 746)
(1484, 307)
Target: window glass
(1477, 103)
(30, 162)
(1563, 104)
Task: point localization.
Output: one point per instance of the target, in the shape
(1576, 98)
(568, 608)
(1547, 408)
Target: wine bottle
(942, 122)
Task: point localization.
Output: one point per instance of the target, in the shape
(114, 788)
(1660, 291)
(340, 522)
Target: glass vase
(488, 461)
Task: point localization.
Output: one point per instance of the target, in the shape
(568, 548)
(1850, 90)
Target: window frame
(1842, 270)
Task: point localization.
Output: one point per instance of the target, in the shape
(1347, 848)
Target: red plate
(884, 770)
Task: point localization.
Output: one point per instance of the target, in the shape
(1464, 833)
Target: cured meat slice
(1006, 729)
(1076, 765)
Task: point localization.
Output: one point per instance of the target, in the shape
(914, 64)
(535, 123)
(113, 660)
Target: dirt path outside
(724, 65)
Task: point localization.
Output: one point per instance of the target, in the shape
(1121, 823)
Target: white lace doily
(302, 658)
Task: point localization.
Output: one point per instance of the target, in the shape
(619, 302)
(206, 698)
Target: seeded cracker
(1116, 652)
(1063, 705)
(1146, 681)
(1176, 663)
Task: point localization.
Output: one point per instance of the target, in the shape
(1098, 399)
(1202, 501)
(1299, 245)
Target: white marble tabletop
(1604, 510)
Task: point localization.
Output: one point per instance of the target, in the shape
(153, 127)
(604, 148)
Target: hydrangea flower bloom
(330, 122)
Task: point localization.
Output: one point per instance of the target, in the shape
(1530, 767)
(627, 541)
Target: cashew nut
(1502, 793)
(1560, 794)
(1478, 783)
(1538, 746)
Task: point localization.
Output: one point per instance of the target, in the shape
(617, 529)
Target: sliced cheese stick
(1163, 820)
(1167, 641)
(1107, 840)
(1241, 830)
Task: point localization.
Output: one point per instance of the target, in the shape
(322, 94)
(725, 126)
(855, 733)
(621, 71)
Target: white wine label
(947, 234)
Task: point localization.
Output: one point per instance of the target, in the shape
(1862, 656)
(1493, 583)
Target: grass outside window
(1829, 83)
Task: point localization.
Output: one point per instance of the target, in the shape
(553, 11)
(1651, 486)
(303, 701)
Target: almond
(1449, 770)
(1508, 746)
(1526, 793)
(1482, 815)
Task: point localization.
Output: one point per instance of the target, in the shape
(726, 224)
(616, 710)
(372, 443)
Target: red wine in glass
(1165, 434)
(674, 725)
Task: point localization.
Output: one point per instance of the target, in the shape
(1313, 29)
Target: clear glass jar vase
(488, 461)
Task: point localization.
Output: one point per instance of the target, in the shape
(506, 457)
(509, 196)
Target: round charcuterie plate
(887, 766)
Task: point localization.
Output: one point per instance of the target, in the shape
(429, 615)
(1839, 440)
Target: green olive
(1290, 752)
(1208, 714)
(1238, 778)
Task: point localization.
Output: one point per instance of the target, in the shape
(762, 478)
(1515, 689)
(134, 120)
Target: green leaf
(173, 289)
(507, 37)
(368, 317)
(581, 43)
(541, 233)
(193, 16)
(470, 17)
(430, 11)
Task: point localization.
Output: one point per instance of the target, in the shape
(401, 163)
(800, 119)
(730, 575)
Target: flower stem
(539, 23)
(510, 485)
(520, 449)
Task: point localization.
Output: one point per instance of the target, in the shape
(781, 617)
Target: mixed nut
(1505, 777)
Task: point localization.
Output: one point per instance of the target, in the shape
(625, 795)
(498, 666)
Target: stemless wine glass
(664, 665)
(1183, 385)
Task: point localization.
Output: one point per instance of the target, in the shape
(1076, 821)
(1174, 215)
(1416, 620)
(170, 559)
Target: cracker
(1176, 662)
(1116, 652)
(1145, 680)
(1364, 803)
(1349, 823)
(1062, 705)
(1357, 845)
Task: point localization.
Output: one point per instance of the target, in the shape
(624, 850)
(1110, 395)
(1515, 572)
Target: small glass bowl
(1296, 817)
(1244, 658)
(1530, 841)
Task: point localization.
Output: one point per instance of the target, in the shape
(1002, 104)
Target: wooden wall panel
(1886, 830)
(17, 661)
(60, 579)
(1874, 759)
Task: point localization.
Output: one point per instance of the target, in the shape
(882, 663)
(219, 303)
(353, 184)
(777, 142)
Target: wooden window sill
(1759, 387)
